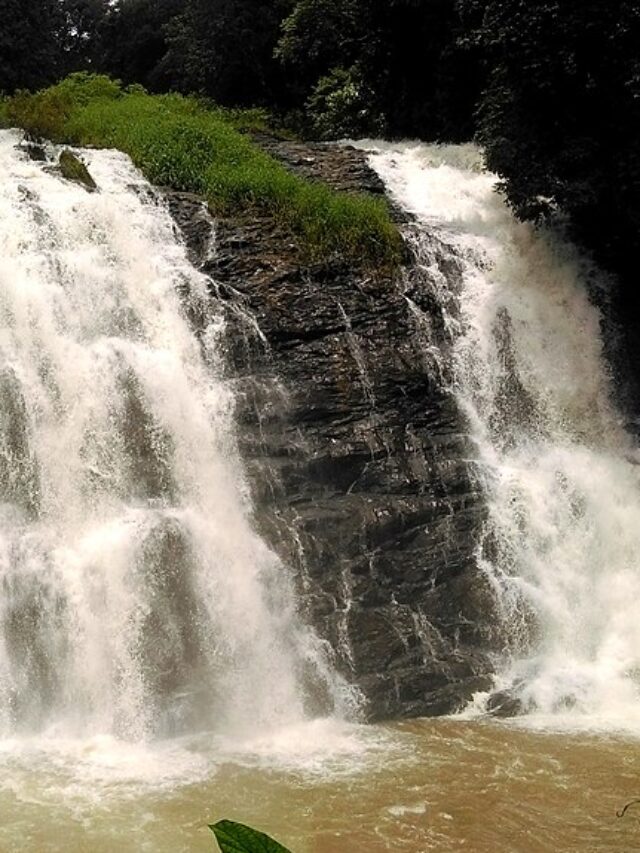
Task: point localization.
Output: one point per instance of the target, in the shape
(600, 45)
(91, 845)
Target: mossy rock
(73, 169)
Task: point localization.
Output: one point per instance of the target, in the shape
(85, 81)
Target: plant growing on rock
(177, 142)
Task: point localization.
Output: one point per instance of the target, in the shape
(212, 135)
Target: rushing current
(136, 600)
(561, 474)
(138, 604)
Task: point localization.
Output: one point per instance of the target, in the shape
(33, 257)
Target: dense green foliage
(177, 142)
(131, 43)
(238, 838)
(30, 47)
(333, 67)
(551, 88)
(402, 57)
(560, 118)
(225, 50)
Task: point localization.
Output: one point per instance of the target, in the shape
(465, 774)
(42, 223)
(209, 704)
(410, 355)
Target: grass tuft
(181, 142)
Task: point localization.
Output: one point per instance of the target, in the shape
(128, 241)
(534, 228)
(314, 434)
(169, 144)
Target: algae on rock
(73, 169)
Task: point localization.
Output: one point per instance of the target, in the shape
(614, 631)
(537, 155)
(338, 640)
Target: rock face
(357, 453)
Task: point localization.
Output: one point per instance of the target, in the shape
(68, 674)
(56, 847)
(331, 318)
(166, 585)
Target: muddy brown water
(443, 785)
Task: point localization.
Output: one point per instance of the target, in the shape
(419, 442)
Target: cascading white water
(135, 597)
(562, 476)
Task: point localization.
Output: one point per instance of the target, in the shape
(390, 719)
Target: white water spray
(135, 598)
(562, 548)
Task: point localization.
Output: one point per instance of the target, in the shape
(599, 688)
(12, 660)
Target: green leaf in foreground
(237, 838)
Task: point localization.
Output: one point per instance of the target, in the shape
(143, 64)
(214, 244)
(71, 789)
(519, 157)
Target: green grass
(179, 142)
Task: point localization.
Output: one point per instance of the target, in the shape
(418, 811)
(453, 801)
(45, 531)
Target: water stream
(154, 672)
(137, 601)
(562, 477)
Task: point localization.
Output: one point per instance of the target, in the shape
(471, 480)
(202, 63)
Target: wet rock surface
(505, 703)
(357, 453)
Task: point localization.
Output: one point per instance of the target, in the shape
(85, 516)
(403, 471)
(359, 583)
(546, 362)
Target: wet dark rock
(35, 152)
(344, 166)
(19, 472)
(504, 703)
(357, 452)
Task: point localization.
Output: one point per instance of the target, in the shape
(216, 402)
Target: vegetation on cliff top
(176, 141)
(551, 89)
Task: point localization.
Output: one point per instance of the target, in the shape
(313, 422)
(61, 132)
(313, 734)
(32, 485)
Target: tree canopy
(551, 89)
(560, 117)
(391, 66)
(31, 38)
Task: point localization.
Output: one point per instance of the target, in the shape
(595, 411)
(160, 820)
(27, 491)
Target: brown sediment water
(442, 785)
(139, 603)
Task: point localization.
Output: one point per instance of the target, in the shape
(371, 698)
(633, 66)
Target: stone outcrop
(357, 452)
(73, 169)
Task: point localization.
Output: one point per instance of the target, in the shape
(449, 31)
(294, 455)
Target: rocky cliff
(357, 453)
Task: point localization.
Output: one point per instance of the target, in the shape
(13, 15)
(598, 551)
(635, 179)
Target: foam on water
(562, 545)
(102, 768)
(137, 601)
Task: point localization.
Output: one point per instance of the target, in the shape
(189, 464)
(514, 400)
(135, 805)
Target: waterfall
(562, 477)
(136, 599)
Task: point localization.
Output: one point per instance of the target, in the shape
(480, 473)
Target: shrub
(44, 114)
(342, 104)
(175, 141)
(82, 88)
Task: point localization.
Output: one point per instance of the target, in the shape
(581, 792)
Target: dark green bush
(4, 116)
(41, 115)
(343, 105)
(560, 117)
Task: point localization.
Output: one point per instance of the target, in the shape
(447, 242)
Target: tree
(405, 52)
(30, 47)
(560, 117)
(80, 37)
(224, 49)
(132, 42)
